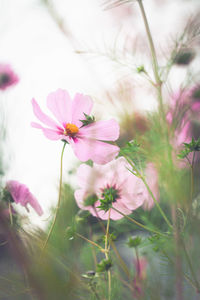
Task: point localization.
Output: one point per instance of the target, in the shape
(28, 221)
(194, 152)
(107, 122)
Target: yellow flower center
(71, 129)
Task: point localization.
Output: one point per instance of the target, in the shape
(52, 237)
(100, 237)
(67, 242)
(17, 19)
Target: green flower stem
(192, 176)
(91, 242)
(10, 213)
(156, 203)
(154, 58)
(190, 267)
(158, 80)
(137, 173)
(137, 223)
(122, 264)
(106, 255)
(59, 201)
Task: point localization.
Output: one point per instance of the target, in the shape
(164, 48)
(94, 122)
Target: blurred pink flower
(7, 77)
(129, 192)
(183, 112)
(87, 140)
(21, 194)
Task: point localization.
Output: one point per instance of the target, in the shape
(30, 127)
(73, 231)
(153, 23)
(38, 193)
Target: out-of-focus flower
(128, 192)
(140, 268)
(77, 128)
(7, 77)
(21, 194)
(183, 115)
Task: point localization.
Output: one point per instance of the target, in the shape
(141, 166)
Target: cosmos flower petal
(98, 151)
(42, 116)
(35, 205)
(59, 102)
(80, 105)
(49, 133)
(101, 130)
(21, 194)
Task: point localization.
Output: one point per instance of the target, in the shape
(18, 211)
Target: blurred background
(90, 47)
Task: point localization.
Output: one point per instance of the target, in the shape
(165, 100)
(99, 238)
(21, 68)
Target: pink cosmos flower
(7, 77)
(21, 194)
(128, 191)
(87, 140)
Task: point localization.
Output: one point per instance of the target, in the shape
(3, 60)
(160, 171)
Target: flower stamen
(71, 129)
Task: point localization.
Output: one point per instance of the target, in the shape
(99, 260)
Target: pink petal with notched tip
(98, 151)
(42, 116)
(80, 105)
(101, 130)
(60, 104)
(51, 134)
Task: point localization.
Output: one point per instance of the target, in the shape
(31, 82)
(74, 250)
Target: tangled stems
(59, 200)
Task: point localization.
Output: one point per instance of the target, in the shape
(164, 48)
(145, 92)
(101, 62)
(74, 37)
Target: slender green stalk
(192, 176)
(154, 58)
(156, 203)
(106, 255)
(90, 242)
(10, 213)
(158, 81)
(122, 264)
(59, 200)
(137, 173)
(139, 224)
(191, 267)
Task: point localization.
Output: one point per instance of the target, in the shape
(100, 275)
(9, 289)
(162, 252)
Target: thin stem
(91, 242)
(106, 255)
(92, 248)
(149, 190)
(10, 213)
(154, 57)
(178, 259)
(192, 176)
(59, 200)
(191, 267)
(122, 264)
(156, 203)
(137, 223)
